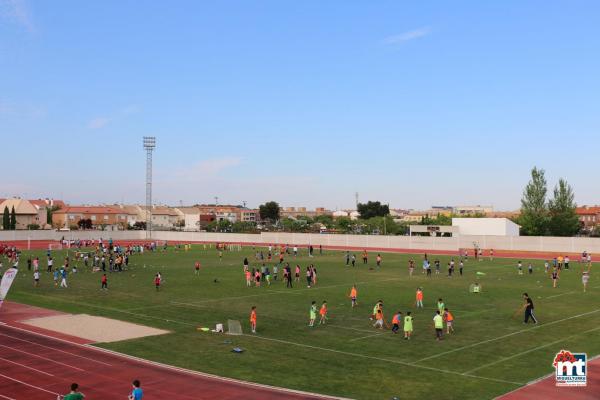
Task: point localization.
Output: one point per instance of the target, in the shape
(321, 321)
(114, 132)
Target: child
(323, 313)
(437, 266)
(104, 282)
(585, 278)
(297, 273)
(197, 268)
(449, 318)
(253, 319)
(308, 277)
(546, 266)
(440, 305)
(157, 282)
(491, 254)
(55, 277)
(36, 279)
(411, 267)
(312, 313)
(554, 277)
(396, 322)
(460, 268)
(378, 306)
(63, 280)
(353, 295)
(268, 276)
(275, 271)
(520, 268)
(419, 297)
(408, 326)
(378, 260)
(378, 319)
(438, 325)
(530, 269)
(248, 278)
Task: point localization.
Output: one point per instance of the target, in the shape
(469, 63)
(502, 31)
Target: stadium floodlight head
(149, 142)
(149, 146)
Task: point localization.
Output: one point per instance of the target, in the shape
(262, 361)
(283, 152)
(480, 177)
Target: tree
(6, 219)
(534, 210)
(563, 218)
(49, 213)
(269, 211)
(13, 219)
(372, 209)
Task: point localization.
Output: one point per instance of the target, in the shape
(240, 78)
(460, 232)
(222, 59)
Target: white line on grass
(505, 336)
(387, 360)
(27, 384)
(561, 294)
(26, 366)
(530, 350)
(53, 349)
(365, 337)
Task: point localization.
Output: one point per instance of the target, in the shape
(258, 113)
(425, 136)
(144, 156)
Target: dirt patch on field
(97, 329)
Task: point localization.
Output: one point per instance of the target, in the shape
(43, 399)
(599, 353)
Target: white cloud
(18, 12)
(407, 36)
(99, 122)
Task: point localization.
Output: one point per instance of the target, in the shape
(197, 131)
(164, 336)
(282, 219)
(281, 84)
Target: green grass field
(491, 352)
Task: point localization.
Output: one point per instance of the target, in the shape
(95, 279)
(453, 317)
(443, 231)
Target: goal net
(55, 246)
(234, 327)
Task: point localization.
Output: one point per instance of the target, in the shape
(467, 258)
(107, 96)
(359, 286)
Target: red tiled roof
(90, 210)
(588, 210)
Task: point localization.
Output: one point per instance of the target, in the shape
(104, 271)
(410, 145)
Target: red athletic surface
(43, 245)
(36, 367)
(545, 389)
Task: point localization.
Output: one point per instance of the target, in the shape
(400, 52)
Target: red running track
(37, 366)
(545, 389)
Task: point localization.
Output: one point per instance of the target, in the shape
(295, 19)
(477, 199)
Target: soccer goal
(234, 327)
(55, 246)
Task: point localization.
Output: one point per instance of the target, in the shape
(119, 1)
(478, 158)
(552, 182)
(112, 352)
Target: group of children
(559, 264)
(254, 276)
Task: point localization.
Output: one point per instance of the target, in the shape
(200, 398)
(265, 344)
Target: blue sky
(306, 102)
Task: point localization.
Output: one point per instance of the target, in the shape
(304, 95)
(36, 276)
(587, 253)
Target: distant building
(27, 212)
(486, 226)
(100, 216)
(589, 217)
(472, 210)
(295, 212)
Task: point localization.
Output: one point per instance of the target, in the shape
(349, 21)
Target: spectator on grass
(74, 394)
(137, 393)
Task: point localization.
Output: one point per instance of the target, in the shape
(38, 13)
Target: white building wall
(486, 226)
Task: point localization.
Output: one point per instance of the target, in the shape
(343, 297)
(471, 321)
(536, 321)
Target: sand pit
(97, 329)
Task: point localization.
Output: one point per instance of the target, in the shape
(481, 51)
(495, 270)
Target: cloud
(407, 36)
(18, 12)
(99, 122)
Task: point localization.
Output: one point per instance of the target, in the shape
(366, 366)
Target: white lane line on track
(28, 384)
(61, 351)
(42, 358)
(25, 366)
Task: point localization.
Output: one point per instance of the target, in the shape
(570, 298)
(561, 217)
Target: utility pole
(216, 201)
(149, 146)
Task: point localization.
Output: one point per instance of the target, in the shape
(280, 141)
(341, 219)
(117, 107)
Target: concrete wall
(519, 243)
(486, 226)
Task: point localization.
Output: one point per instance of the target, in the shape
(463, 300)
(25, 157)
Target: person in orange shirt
(323, 313)
(365, 257)
(379, 321)
(248, 278)
(396, 321)
(353, 295)
(419, 298)
(449, 318)
(253, 319)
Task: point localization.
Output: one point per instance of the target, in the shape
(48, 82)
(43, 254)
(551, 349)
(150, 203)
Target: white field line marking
(530, 350)
(178, 369)
(6, 397)
(561, 294)
(291, 291)
(26, 366)
(27, 384)
(505, 336)
(40, 357)
(365, 337)
(347, 353)
(52, 348)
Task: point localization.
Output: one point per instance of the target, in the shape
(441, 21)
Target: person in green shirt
(313, 313)
(74, 394)
(441, 305)
(408, 326)
(438, 324)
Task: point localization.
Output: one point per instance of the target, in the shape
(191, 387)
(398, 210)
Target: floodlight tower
(149, 146)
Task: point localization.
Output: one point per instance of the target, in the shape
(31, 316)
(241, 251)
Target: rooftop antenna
(149, 146)
(216, 201)
(244, 203)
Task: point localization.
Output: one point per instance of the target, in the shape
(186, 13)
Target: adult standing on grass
(74, 394)
(528, 307)
(137, 393)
